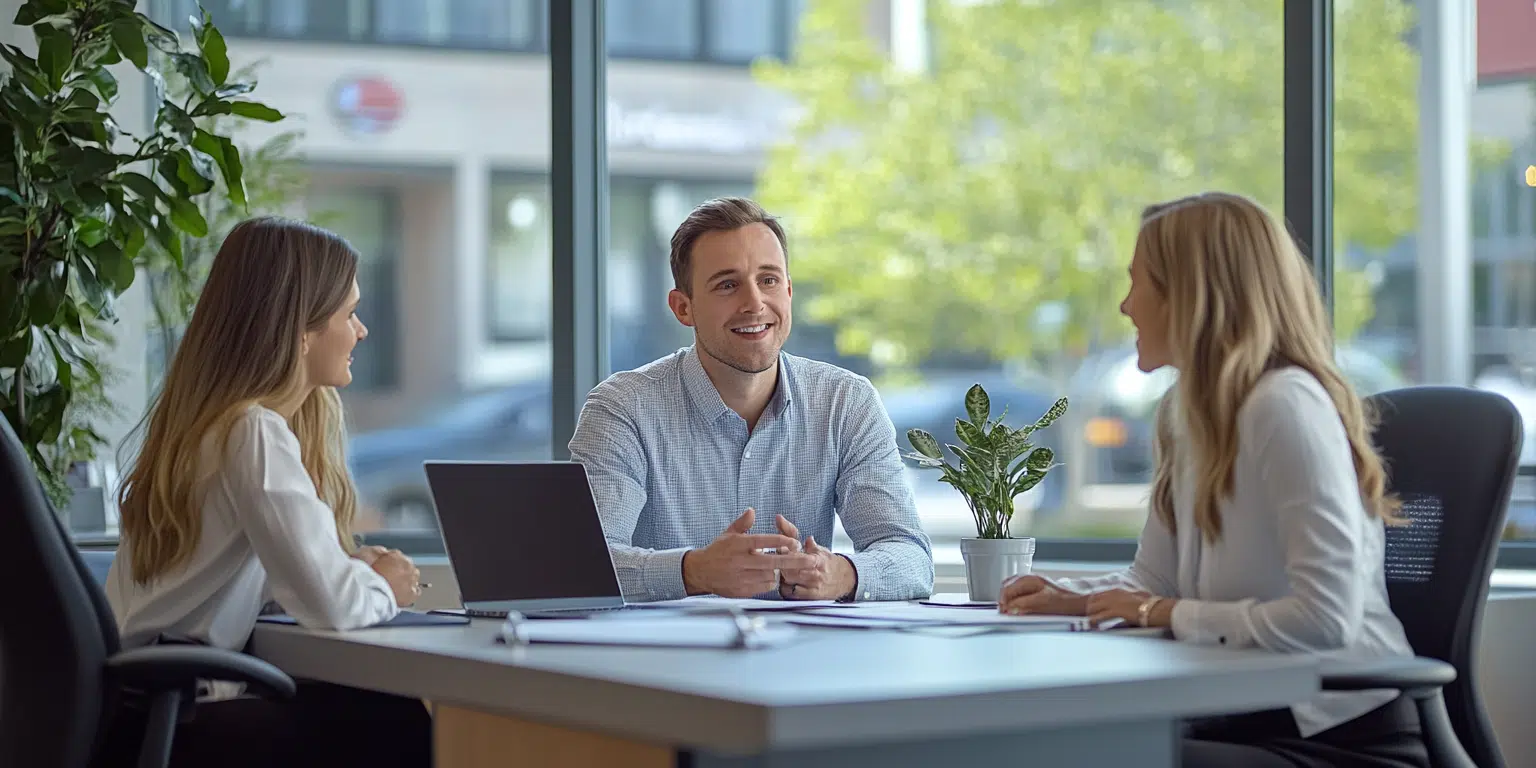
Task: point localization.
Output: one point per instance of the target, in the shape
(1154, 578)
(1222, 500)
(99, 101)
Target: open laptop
(523, 536)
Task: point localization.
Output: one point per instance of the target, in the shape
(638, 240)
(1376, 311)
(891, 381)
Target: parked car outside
(1109, 432)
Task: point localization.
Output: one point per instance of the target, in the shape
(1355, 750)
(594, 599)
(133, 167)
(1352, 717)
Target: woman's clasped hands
(1030, 594)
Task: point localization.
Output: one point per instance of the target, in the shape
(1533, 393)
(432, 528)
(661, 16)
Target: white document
(917, 613)
(957, 600)
(669, 631)
(714, 604)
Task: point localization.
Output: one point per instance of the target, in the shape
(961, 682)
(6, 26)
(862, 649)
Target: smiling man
(710, 464)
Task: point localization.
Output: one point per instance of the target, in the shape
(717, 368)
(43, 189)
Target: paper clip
(749, 630)
(514, 630)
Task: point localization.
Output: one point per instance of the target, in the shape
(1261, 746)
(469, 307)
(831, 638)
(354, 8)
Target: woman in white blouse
(1268, 501)
(240, 495)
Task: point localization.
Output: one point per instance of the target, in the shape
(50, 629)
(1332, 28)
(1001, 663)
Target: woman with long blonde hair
(1268, 502)
(240, 495)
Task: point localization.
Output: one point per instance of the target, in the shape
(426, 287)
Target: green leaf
(92, 164)
(186, 216)
(66, 371)
(128, 35)
(255, 111)
(142, 185)
(44, 298)
(54, 52)
(195, 70)
(47, 418)
(1028, 481)
(235, 89)
(160, 37)
(234, 171)
(195, 171)
(1056, 411)
(977, 405)
(1040, 459)
(34, 11)
(179, 121)
(169, 240)
(14, 351)
(25, 67)
(104, 82)
(211, 42)
(970, 433)
(131, 247)
(925, 443)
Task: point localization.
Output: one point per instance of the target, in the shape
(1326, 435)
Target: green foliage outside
(988, 203)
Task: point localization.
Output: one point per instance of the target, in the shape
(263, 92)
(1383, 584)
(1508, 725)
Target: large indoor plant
(79, 198)
(997, 463)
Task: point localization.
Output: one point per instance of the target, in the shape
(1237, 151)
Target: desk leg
(465, 738)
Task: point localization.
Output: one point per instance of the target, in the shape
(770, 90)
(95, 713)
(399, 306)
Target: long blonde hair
(1241, 301)
(272, 280)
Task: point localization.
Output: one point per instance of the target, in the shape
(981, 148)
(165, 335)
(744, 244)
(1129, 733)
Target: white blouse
(266, 535)
(1299, 565)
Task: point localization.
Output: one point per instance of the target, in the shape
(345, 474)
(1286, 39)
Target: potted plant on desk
(996, 464)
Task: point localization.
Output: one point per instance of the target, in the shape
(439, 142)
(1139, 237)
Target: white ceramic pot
(988, 562)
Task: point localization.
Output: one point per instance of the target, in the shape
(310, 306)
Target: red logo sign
(367, 105)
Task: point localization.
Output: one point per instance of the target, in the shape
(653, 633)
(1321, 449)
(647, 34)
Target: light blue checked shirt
(671, 466)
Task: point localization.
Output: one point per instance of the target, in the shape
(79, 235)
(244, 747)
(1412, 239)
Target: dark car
(511, 423)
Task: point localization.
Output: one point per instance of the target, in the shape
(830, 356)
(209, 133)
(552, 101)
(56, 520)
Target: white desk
(840, 698)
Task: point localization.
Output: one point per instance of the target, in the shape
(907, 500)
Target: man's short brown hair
(721, 214)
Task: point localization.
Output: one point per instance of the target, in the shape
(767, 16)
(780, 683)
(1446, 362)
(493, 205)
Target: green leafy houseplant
(79, 198)
(996, 462)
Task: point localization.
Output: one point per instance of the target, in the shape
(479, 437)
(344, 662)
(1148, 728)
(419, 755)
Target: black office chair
(1452, 454)
(62, 673)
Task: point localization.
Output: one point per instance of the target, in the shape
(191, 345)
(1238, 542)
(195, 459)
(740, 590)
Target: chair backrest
(1452, 454)
(55, 633)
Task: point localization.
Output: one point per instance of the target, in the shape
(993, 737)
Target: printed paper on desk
(712, 603)
(957, 600)
(930, 614)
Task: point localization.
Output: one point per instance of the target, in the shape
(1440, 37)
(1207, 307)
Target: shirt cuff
(662, 575)
(1206, 622)
(866, 576)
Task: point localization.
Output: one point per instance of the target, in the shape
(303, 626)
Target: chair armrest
(1398, 673)
(168, 667)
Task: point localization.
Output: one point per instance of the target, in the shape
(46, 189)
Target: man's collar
(706, 398)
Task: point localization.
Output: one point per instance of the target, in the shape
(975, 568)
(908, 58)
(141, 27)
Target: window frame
(363, 29)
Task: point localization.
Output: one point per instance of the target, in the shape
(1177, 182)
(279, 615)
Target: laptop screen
(521, 530)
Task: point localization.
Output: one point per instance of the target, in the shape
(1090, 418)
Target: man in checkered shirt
(710, 464)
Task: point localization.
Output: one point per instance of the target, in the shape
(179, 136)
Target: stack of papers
(885, 615)
(713, 604)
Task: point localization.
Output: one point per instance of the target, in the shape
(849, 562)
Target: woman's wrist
(1161, 614)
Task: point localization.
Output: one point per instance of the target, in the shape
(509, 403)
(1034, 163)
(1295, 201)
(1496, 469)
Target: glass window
(407, 21)
(653, 28)
(970, 218)
(519, 260)
(492, 23)
(741, 30)
(1379, 109)
(367, 219)
(642, 216)
(392, 156)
